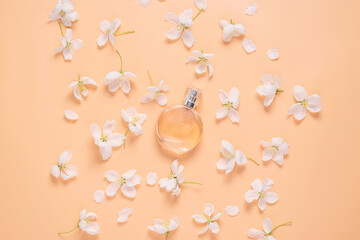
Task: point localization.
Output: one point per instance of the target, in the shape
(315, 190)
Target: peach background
(318, 184)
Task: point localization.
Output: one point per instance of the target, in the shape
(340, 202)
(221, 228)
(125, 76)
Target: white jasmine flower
(232, 210)
(270, 88)
(275, 150)
(273, 54)
(261, 191)
(206, 218)
(251, 9)
(231, 103)
(135, 120)
(249, 46)
(119, 79)
(67, 44)
(162, 227)
(144, 3)
(126, 181)
(63, 167)
(124, 214)
(64, 11)
(230, 29)
(174, 180)
(151, 178)
(99, 196)
(268, 230)
(71, 115)
(311, 103)
(80, 86)
(202, 60)
(200, 4)
(87, 223)
(183, 22)
(230, 157)
(157, 93)
(107, 139)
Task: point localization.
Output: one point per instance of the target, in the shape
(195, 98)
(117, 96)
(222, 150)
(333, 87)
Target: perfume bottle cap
(192, 96)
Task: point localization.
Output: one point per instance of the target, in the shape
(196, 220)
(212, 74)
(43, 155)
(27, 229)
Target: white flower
(99, 196)
(230, 29)
(273, 54)
(249, 46)
(108, 30)
(63, 167)
(88, 222)
(135, 119)
(183, 22)
(80, 88)
(206, 218)
(261, 191)
(202, 60)
(144, 3)
(231, 103)
(275, 150)
(270, 88)
(107, 139)
(230, 157)
(156, 93)
(119, 79)
(64, 11)
(200, 4)
(162, 227)
(71, 115)
(311, 103)
(67, 45)
(124, 214)
(175, 179)
(268, 230)
(232, 210)
(151, 178)
(126, 181)
(251, 9)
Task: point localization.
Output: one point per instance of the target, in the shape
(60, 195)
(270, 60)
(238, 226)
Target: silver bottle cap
(192, 96)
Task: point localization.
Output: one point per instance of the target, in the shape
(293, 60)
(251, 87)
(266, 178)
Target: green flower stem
(62, 33)
(150, 78)
(249, 158)
(279, 226)
(120, 60)
(167, 234)
(121, 33)
(201, 10)
(127, 131)
(279, 90)
(192, 183)
(70, 230)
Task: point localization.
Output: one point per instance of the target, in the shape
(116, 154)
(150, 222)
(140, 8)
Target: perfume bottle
(179, 128)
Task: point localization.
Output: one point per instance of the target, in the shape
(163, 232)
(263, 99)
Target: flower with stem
(268, 230)
(119, 79)
(80, 88)
(109, 32)
(275, 150)
(201, 5)
(270, 88)
(162, 227)
(134, 120)
(67, 44)
(87, 223)
(157, 93)
(202, 60)
(206, 218)
(230, 156)
(175, 179)
(63, 11)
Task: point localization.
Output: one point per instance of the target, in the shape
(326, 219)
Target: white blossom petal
(200, 4)
(251, 195)
(232, 210)
(222, 112)
(174, 33)
(151, 178)
(105, 151)
(124, 214)
(55, 171)
(314, 102)
(249, 46)
(144, 3)
(70, 114)
(251, 9)
(234, 115)
(273, 54)
(271, 197)
(255, 233)
(128, 191)
(99, 196)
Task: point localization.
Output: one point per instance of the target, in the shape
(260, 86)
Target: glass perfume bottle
(179, 128)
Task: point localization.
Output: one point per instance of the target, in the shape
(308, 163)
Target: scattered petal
(151, 178)
(124, 214)
(251, 9)
(249, 46)
(99, 196)
(70, 114)
(232, 210)
(273, 54)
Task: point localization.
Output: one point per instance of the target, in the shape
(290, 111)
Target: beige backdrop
(317, 185)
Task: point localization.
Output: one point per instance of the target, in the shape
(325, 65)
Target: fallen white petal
(70, 114)
(232, 210)
(99, 196)
(273, 54)
(249, 46)
(251, 9)
(124, 214)
(151, 178)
